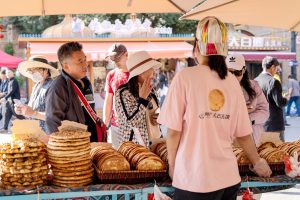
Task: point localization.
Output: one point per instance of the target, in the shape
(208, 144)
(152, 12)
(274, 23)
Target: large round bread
(68, 154)
(70, 135)
(150, 165)
(64, 145)
(74, 178)
(61, 172)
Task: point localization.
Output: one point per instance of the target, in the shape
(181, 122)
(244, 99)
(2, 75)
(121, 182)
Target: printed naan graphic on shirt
(216, 100)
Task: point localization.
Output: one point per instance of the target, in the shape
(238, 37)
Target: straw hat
(37, 61)
(140, 62)
(212, 37)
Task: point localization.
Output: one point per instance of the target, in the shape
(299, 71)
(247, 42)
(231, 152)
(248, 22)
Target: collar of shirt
(268, 73)
(78, 83)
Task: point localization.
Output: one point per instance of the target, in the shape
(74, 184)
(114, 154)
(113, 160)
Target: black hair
(133, 86)
(216, 63)
(3, 72)
(269, 61)
(67, 49)
(246, 84)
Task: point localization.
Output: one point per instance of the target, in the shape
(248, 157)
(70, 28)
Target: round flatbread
(75, 173)
(216, 100)
(70, 135)
(68, 148)
(68, 143)
(55, 159)
(64, 165)
(74, 178)
(72, 169)
(151, 164)
(68, 154)
(72, 184)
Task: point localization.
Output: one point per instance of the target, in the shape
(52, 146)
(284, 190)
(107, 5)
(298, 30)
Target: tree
(9, 49)
(34, 24)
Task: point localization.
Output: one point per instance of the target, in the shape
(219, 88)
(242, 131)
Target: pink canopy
(9, 61)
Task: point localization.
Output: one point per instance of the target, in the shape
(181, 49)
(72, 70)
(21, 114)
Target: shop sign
(270, 43)
(298, 39)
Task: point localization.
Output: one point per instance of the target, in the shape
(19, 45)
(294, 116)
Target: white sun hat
(140, 62)
(235, 61)
(37, 61)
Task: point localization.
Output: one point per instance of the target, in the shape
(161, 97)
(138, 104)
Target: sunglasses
(238, 72)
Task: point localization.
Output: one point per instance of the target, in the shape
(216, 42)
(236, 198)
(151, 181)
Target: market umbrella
(57, 7)
(185, 5)
(269, 13)
(9, 61)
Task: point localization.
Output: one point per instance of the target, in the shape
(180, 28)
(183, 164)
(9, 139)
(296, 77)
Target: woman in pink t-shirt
(205, 111)
(257, 104)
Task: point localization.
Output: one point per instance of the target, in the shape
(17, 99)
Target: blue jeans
(296, 100)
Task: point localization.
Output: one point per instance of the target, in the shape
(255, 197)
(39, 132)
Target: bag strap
(85, 103)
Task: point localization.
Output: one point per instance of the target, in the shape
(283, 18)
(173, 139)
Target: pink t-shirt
(209, 113)
(114, 80)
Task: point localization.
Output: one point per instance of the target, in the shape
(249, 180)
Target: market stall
(72, 167)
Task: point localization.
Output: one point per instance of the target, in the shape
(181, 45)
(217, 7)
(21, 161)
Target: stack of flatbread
(23, 163)
(161, 150)
(290, 148)
(267, 150)
(69, 156)
(107, 158)
(140, 158)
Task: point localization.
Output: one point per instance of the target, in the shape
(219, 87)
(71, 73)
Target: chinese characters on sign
(266, 43)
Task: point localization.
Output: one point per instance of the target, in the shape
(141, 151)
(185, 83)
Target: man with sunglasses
(273, 92)
(118, 54)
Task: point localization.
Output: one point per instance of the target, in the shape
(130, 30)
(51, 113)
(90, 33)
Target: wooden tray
(277, 169)
(130, 177)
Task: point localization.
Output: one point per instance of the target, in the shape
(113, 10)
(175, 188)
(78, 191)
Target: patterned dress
(38, 99)
(131, 115)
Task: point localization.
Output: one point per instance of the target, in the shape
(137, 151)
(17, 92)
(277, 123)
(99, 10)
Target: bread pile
(268, 151)
(140, 158)
(290, 148)
(23, 163)
(161, 150)
(69, 156)
(107, 158)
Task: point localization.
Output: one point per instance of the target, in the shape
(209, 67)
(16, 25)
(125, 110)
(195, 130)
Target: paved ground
(292, 133)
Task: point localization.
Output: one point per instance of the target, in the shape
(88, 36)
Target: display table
(137, 191)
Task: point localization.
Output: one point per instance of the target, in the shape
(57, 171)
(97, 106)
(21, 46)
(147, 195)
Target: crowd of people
(207, 108)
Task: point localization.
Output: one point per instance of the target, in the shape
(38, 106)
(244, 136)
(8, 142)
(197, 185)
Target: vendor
(204, 111)
(41, 73)
(136, 102)
(62, 101)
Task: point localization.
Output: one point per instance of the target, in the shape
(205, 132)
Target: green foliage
(36, 25)
(21, 80)
(9, 49)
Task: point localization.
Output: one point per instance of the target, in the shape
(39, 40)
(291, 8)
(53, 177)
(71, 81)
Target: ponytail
(217, 63)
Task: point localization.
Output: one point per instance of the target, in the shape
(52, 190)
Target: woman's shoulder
(123, 90)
